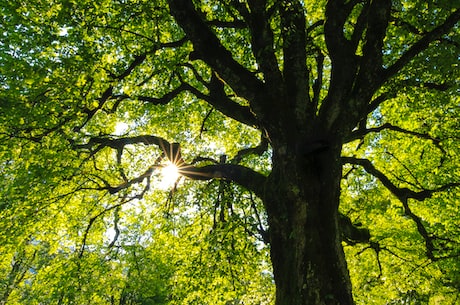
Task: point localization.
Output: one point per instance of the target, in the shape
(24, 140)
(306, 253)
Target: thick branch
(296, 78)
(219, 100)
(377, 22)
(370, 66)
(375, 103)
(344, 64)
(163, 100)
(235, 24)
(360, 26)
(336, 16)
(258, 150)
(208, 48)
(216, 98)
(239, 174)
(351, 233)
(262, 41)
(138, 60)
(318, 83)
(423, 43)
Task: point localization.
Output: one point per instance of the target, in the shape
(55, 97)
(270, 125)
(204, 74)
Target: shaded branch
(378, 17)
(144, 176)
(139, 59)
(206, 117)
(360, 26)
(121, 29)
(260, 227)
(221, 102)
(168, 97)
(375, 103)
(361, 133)
(318, 83)
(106, 95)
(244, 176)
(403, 194)
(262, 40)
(235, 24)
(371, 62)
(295, 73)
(116, 219)
(352, 234)
(313, 26)
(400, 193)
(258, 150)
(216, 98)
(444, 86)
(407, 25)
(344, 67)
(93, 219)
(208, 48)
(336, 16)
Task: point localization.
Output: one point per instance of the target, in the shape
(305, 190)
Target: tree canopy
(256, 103)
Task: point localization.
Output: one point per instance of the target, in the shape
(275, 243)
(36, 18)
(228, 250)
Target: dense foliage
(96, 94)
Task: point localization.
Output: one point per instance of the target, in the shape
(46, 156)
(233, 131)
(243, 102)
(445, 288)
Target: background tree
(301, 128)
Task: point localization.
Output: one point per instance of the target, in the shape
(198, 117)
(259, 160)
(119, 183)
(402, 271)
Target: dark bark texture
(305, 132)
(307, 255)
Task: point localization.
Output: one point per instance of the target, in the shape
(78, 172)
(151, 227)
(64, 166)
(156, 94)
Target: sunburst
(169, 175)
(170, 171)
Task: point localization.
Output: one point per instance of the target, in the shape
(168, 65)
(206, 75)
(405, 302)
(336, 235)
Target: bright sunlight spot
(121, 128)
(169, 176)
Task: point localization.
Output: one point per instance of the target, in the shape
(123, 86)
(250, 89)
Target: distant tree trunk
(302, 205)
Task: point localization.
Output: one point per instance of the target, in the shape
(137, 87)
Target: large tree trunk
(302, 205)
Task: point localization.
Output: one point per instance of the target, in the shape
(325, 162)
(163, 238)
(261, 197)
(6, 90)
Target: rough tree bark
(301, 195)
(305, 132)
(302, 205)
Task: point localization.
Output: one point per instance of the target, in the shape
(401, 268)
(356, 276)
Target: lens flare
(169, 175)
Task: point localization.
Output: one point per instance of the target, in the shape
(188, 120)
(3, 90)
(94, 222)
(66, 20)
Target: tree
(323, 115)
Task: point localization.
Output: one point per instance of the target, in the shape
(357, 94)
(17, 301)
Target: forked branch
(208, 48)
(403, 195)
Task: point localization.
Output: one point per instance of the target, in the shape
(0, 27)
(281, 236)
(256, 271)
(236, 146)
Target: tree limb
(344, 65)
(139, 59)
(371, 62)
(336, 16)
(262, 41)
(352, 234)
(375, 103)
(258, 150)
(318, 83)
(295, 73)
(208, 48)
(235, 24)
(403, 194)
(220, 101)
(244, 176)
(216, 98)
(361, 133)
